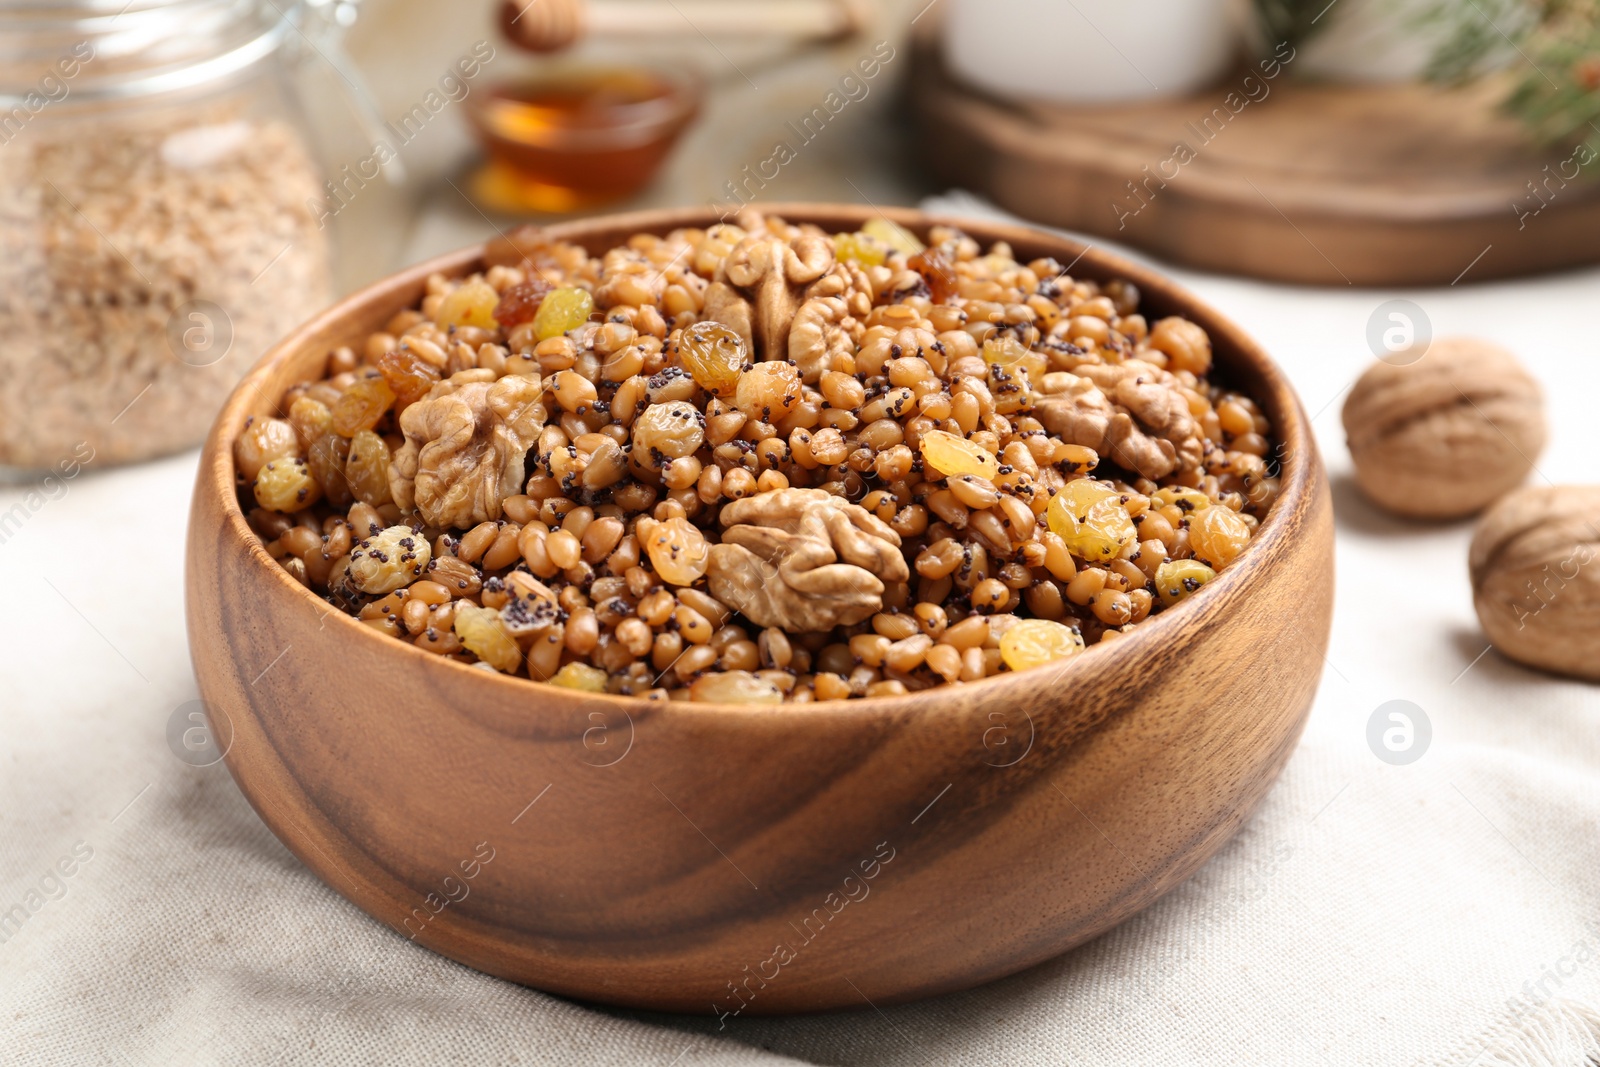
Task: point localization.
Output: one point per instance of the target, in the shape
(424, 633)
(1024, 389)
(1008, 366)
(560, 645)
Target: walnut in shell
(1445, 436)
(804, 560)
(465, 449)
(1536, 578)
(1132, 413)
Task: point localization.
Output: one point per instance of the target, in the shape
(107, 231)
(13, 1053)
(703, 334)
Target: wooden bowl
(707, 858)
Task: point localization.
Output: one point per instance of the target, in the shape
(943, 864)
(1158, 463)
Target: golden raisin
(327, 458)
(1177, 578)
(388, 560)
(896, 236)
(366, 470)
(362, 406)
(678, 551)
(937, 270)
(1008, 353)
(484, 636)
(286, 485)
(672, 431)
(768, 390)
(262, 441)
(1217, 535)
(409, 376)
(714, 356)
(950, 455)
(1033, 642)
(310, 419)
(860, 249)
(468, 304)
(581, 676)
(1090, 519)
(561, 310)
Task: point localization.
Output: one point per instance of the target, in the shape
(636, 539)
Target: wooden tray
(1376, 186)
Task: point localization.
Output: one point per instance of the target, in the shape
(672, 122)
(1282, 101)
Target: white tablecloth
(1370, 914)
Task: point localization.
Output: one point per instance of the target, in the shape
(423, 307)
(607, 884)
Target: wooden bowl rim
(1291, 431)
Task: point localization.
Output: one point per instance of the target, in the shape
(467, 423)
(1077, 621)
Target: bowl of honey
(575, 138)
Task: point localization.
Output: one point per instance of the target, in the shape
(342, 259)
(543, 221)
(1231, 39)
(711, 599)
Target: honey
(577, 139)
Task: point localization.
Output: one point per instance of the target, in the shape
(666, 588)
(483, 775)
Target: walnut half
(1132, 413)
(804, 560)
(466, 447)
(772, 275)
(825, 330)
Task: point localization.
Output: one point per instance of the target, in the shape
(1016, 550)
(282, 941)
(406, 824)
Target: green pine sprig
(1553, 48)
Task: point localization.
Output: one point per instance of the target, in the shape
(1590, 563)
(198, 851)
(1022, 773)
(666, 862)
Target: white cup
(1089, 51)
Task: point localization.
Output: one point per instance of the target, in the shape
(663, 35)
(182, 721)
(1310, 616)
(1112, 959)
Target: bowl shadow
(1354, 512)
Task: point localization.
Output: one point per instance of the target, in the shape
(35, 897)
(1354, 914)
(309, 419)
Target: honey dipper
(551, 25)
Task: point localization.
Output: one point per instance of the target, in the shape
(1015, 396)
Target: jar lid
(102, 50)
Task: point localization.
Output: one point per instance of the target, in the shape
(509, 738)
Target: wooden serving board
(1318, 184)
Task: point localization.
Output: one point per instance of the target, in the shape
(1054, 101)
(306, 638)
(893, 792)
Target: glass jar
(162, 211)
